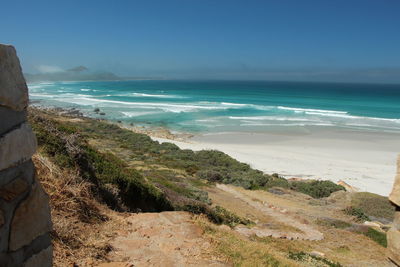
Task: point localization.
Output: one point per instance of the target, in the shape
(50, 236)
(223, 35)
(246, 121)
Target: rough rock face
(393, 235)
(25, 222)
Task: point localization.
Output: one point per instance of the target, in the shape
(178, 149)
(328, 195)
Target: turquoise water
(218, 106)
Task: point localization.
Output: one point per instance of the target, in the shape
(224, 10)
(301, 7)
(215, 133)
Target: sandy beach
(365, 160)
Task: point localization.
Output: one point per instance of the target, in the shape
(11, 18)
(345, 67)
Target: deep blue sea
(219, 106)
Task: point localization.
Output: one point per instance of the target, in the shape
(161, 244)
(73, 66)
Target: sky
(307, 40)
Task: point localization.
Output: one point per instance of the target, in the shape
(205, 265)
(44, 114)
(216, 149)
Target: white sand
(364, 160)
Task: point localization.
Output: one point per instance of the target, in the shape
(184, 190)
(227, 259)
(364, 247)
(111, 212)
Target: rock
(1, 218)
(373, 224)
(13, 189)
(396, 220)
(276, 191)
(13, 89)
(10, 119)
(348, 187)
(17, 146)
(393, 238)
(31, 218)
(42, 259)
(395, 194)
(224, 227)
(116, 264)
(317, 254)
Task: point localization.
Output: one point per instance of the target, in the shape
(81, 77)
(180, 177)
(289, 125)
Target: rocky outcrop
(393, 235)
(25, 222)
(13, 89)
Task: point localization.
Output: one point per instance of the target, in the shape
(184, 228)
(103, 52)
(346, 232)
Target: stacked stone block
(393, 235)
(25, 222)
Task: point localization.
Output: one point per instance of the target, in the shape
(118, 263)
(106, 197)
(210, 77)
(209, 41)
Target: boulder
(31, 218)
(395, 194)
(17, 146)
(393, 238)
(317, 254)
(42, 259)
(13, 89)
(1, 218)
(13, 189)
(396, 220)
(10, 119)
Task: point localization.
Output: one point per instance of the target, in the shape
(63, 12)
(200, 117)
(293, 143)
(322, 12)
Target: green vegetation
(67, 148)
(217, 215)
(374, 205)
(334, 223)
(377, 236)
(312, 260)
(242, 251)
(316, 189)
(356, 212)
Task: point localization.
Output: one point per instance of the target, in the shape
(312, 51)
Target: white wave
(234, 104)
(33, 87)
(131, 114)
(291, 124)
(312, 110)
(41, 95)
(176, 108)
(86, 89)
(207, 120)
(275, 118)
(327, 114)
(345, 116)
(156, 96)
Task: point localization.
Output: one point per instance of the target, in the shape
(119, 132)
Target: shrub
(356, 212)
(217, 214)
(377, 236)
(374, 206)
(316, 189)
(69, 149)
(276, 181)
(333, 223)
(312, 260)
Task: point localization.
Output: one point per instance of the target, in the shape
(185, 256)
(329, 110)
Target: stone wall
(393, 234)
(25, 222)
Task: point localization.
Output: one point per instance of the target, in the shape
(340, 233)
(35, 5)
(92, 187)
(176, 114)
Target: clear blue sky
(339, 40)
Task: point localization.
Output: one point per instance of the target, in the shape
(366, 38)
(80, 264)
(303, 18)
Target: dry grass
(240, 250)
(82, 227)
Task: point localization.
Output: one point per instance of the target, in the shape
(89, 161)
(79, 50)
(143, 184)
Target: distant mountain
(79, 73)
(78, 69)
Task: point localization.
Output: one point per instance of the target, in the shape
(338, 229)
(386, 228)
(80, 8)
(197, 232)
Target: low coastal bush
(66, 146)
(335, 223)
(377, 236)
(217, 215)
(312, 260)
(358, 213)
(316, 189)
(374, 206)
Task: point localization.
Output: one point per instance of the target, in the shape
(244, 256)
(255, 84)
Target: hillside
(119, 196)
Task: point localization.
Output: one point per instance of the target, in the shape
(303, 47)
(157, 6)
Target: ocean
(225, 106)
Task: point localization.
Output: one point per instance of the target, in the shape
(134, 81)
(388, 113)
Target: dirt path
(306, 232)
(163, 239)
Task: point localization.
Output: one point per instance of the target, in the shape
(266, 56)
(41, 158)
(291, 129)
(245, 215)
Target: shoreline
(364, 160)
